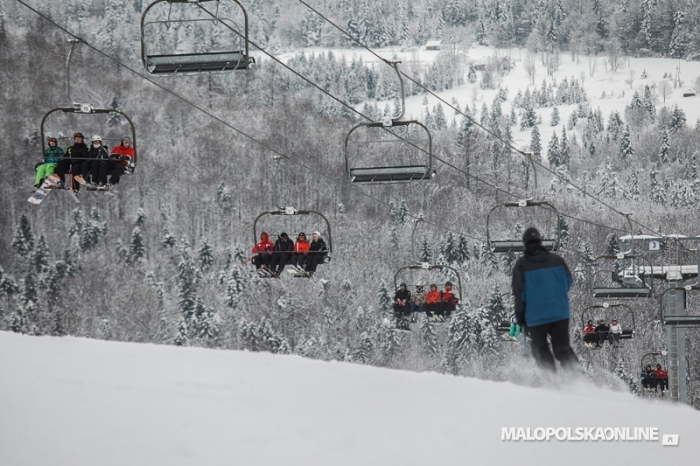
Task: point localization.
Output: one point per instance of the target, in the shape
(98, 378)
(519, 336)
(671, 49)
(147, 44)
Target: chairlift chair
(208, 61)
(390, 174)
(615, 311)
(427, 266)
(89, 110)
(626, 281)
(516, 245)
(293, 211)
(397, 173)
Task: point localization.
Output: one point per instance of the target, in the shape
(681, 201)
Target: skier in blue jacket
(541, 282)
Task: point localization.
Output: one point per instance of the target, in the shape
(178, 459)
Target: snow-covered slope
(71, 401)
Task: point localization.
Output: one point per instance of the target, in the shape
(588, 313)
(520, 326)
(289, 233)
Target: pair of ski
(299, 272)
(111, 191)
(49, 184)
(264, 272)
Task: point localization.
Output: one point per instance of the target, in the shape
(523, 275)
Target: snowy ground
(72, 401)
(618, 92)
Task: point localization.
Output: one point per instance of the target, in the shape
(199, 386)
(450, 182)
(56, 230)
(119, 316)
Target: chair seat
(517, 246)
(621, 292)
(682, 321)
(384, 174)
(197, 62)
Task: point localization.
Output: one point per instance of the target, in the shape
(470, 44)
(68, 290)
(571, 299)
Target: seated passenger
(433, 301)
(589, 336)
(401, 300)
(602, 333)
(449, 300)
(75, 160)
(417, 302)
(263, 251)
(615, 333)
(317, 251)
(121, 158)
(661, 377)
(51, 156)
(281, 253)
(514, 330)
(98, 156)
(648, 376)
(301, 252)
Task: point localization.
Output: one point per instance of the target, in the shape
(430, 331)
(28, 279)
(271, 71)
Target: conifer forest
(165, 260)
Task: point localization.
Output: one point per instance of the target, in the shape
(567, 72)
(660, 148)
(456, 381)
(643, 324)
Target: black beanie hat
(531, 235)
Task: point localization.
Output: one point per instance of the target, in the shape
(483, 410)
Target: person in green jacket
(51, 156)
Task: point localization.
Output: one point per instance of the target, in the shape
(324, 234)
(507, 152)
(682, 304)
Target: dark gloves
(520, 319)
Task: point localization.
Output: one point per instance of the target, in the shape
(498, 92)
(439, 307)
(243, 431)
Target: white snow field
(73, 401)
(615, 85)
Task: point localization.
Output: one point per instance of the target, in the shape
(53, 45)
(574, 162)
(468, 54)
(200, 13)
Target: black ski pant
(261, 259)
(589, 338)
(313, 261)
(279, 260)
(601, 338)
(561, 347)
(109, 168)
(663, 383)
(401, 311)
(432, 308)
(298, 260)
(66, 164)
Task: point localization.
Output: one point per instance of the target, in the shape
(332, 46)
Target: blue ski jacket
(541, 282)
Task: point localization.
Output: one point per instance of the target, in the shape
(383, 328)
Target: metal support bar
(72, 42)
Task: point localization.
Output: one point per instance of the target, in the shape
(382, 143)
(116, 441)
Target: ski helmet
(78, 135)
(96, 138)
(53, 139)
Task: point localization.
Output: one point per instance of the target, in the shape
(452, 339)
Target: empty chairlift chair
(392, 140)
(235, 55)
(504, 245)
(619, 276)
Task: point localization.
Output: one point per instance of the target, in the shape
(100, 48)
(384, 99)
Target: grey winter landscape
(145, 318)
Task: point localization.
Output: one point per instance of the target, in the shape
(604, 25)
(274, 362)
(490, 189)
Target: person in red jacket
(449, 301)
(432, 303)
(263, 251)
(301, 252)
(661, 377)
(121, 159)
(589, 335)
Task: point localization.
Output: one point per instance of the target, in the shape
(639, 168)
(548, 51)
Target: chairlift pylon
(397, 173)
(176, 63)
